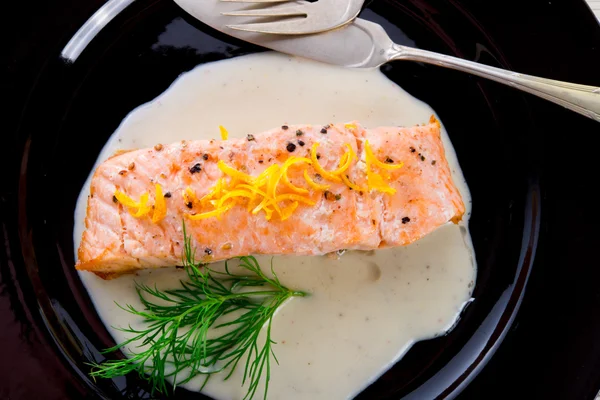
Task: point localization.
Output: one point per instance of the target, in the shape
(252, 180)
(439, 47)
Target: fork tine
(287, 27)
(256, 1)
(268, 12)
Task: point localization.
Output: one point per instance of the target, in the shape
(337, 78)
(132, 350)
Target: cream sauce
(366, 308)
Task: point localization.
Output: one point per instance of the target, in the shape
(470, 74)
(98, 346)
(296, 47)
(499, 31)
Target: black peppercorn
(196, 168)
(330, 196)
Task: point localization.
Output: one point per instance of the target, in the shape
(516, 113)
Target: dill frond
(199, 305)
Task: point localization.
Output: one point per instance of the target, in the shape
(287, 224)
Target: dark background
(552, 350)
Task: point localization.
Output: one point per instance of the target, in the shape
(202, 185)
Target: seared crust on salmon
(115, 241)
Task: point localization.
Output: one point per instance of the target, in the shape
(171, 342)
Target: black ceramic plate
(529, 164)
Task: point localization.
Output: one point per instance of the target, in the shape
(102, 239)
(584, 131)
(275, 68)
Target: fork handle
(579, 98)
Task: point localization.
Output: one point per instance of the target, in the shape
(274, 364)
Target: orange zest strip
(234, 173)
(315, 163)
(344, 164)
(371, 157)
(224, 133)
(216, 191)
(160, 206)
(314, 184)
(287, 211)
(269, 213)
(210, 214)
(143, 208)
(137, 209)
(189, 196)
(272, 187)
(376, 181)
(232, 194)
(254, 193)
(252, 189)
(286, 180)
(352, 185)
(126, 200)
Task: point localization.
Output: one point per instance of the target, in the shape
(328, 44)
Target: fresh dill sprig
(203, 304)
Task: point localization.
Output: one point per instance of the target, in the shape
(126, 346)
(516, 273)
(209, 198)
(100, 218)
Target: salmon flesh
(420, 197)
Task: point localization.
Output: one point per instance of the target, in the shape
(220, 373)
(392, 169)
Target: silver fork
(298, 19)
(364, 44)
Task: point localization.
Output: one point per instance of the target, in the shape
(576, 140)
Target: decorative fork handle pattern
(579, 98)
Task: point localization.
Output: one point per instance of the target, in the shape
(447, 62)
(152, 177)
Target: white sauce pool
(366, 309)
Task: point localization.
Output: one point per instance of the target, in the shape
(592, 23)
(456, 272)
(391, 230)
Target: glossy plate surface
(529, 165)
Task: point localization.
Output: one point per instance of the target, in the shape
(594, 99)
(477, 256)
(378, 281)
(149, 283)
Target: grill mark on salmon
(114, 242)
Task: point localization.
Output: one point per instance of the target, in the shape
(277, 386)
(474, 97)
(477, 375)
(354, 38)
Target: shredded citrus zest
(351, 185)
(350, 126)
(232, 194)
(251, 188)
(314, 184)
(270, 191)
(160, 206)
(345, 162)
(189, 196)
(263, 177)
(261, 206)
(215, 191)
(210, 214)
(234, 173)
(143, 207)
(376, 181)
(268, 214)
(286, 180)
(270, 181)
(371, 157)
(255, 191)
(264, 191)
(319, 168)
(224, 133)
(272, 187)
(351, 151)
(126, 200)
(137, 209)
(287, 211)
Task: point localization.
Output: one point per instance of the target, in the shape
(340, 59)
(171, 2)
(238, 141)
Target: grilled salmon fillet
(422, 197)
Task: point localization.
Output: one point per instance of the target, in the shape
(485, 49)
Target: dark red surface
(552, 351)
